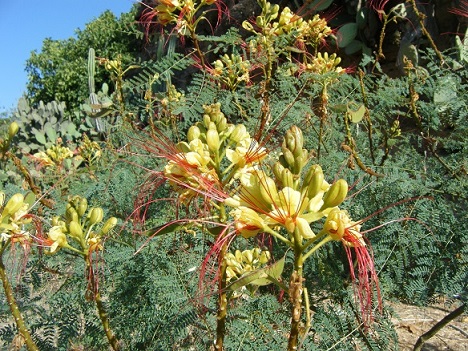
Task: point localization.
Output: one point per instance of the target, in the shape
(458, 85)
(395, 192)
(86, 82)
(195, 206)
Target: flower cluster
(196, 167)
(79, 225)
(53, 156)
(13, 219)
(273, 23)
(231, 70)
(323, 64)
(88, 150)
(243, 262)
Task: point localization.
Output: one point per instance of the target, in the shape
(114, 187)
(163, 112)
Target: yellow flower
(340, 227)
(58, 238)
(248, 222)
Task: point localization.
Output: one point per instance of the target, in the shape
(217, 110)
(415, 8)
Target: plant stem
(100, 307)
(295, 293)
(222, 301)
(438, 326)
(20, 324)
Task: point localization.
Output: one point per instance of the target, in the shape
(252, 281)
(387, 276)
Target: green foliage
(41, 127)
(58, 71)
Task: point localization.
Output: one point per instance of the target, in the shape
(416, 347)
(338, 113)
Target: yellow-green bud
(75, 230)
(335, 195)
(222, 124)
(82, 207)
(268, 190)
(71, 215)
(247, 256)
(95, 215)
(278, 170)
(288, 158)
(193, 133)
(212, 139)
(287, 178)
(109, 225)
(314, 180)
(238, 255)
(238, 133)
(12, 130)
(206, 120)
(13, 205)
(264, 257)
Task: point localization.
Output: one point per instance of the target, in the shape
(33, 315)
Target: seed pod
(95, 215)
(13, 205)
(109, 225)
(335, 195)
(75, 230)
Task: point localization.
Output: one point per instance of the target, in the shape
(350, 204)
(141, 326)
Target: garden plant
(221, 181)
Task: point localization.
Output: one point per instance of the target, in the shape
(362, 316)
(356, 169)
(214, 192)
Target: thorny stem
(438, 326)
(367, 114)
(34, 188)
(323, 116)
(421, 18)
(222, 301)
(20, 324)
(101, 309)
(431, 142)
(351, 148)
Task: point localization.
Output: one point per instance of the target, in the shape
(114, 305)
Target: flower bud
(222, 124)
(212, 139)
(238, 255)
(268, 190)
(313, 181)
(264, 257)
(82, 207)
(193, 133)
(12, 130)
(13, 205)
(288, 158)
(287, 178)
(206, 120)
(75, 230)
(335, 195)
(95, 215)
(109, 225)
(247, 256)
(71, 214)
(238, 133)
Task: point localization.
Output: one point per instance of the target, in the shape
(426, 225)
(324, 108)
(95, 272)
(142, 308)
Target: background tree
(59, 70)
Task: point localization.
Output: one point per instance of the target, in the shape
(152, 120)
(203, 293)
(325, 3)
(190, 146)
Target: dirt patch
(412, 321)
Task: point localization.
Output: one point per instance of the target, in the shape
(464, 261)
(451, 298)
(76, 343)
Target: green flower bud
(109, 225)
(82, 207)
(268, 190)
(287, 178)
(247, 256)
(95, 215)
(206, 120)
(289, 158)
(193, 133)
(238, 255)
(212, 139)
(75, 230)
(278, 170)
(12, 130)
(264, 257)
(238, 133)
(335, 195)
(313, 181)
(71, 215)
(222, 124)
(13, 205)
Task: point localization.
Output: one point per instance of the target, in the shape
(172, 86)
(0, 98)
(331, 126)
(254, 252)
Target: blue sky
(24, 24)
